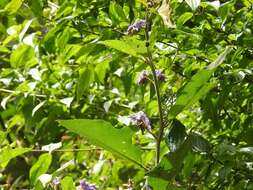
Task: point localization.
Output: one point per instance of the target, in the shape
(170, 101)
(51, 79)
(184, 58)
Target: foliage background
(57, 63)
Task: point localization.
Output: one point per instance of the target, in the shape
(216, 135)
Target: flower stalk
(149, 61)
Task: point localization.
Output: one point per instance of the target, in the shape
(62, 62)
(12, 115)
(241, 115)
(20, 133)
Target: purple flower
(141, 120)
(86, 186)
(143, 77)
(56, 181)
(136, 27)
(160, 76)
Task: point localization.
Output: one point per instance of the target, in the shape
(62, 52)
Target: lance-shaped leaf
(40, 167)
(7, 153)
(193, 4)
(197, 87)
(176, 136)
(130, 46)
(103, 134)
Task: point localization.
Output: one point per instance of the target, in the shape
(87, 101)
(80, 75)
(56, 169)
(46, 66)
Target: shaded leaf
(176, 136)
(199, 143)
(86, 77)
(103, 134)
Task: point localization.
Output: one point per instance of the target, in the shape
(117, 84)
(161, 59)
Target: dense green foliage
(70, 78)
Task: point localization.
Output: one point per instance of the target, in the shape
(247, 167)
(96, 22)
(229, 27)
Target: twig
(19, 92)
(67, 150)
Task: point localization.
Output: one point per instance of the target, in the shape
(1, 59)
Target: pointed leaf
(85, 79)
(67, 183)
(176, 136)
(7, 153)
(13, 6)
(184, 18)
(130, 46)
(40, 167)
(193, 4)
(23, 56)
(197, 87)
(103, 134)
(199, 143)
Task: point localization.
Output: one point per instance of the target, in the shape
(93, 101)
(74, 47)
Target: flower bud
(143, 77)
(141, 120)
(160, 76)
(86, 186)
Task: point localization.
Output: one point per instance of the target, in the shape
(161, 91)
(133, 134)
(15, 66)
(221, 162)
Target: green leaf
(176, 136)
(40, 167)
(103, 134)
(7, 153)
(164, 170)
(197, 87)
(184, 18)
(2, 136)
(220, 58)
(23, 56)
(193, 4)
(199, 143)
(13, 6)
(86, 77)
(130, 46)
(225, 8)
(116, 12)
(101, 69)
(67, 183)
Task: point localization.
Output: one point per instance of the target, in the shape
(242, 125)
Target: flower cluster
(86, 186)
(141, 120)
(136, 27)
(143, 76)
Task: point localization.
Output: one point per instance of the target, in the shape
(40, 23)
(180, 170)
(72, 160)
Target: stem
(157, 90)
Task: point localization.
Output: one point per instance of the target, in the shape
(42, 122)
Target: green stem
(157, 90)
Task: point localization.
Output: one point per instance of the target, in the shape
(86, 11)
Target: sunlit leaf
(13, 6)
(193, 4)
(184, 18)
(40, 167)
(67, 183)
(7, 153)
(103, 134)
(130, 46)
(23, 56)
(36, 108)
(197, 87)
